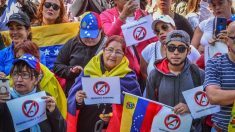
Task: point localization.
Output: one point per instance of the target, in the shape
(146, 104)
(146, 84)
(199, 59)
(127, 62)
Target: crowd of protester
(174, 60)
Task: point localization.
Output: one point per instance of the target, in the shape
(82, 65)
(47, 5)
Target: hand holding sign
(181, 108)
(80, 95)
(50, 103)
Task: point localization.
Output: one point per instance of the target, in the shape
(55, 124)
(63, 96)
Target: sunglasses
(54, 6)
(181, 48)
(164, 27)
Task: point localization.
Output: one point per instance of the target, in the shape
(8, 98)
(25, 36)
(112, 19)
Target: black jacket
(73, 53)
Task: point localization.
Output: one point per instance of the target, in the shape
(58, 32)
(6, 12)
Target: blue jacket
(7, 57)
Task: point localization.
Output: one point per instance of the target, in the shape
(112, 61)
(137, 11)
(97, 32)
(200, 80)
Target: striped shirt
(221, 71)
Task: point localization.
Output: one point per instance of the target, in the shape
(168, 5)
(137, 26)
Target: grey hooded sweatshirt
(170, 86)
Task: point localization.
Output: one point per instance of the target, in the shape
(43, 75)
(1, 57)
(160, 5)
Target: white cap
(162, 18)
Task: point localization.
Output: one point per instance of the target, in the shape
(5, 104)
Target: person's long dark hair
(30, 9)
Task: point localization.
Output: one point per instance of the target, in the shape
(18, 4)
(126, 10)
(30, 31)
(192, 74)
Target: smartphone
(221, 24)
(5, 87)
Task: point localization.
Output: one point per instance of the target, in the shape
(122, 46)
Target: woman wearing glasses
(48, 82)
(25, 76)
(109, 63)
(51, 12)
(161, 26)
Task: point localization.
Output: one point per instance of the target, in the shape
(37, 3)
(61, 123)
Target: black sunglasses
(172, 48)
(54, 6)
(164, 27)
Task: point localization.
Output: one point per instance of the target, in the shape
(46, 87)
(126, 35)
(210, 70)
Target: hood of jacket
(162, 66)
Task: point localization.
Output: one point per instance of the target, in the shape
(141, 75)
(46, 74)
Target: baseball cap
(162, 18)
(20, 18)
(32, 61)
(178, 35)
(90, 25)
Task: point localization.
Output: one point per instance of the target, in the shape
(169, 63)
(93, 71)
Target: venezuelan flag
(138, 113)
(50, 39)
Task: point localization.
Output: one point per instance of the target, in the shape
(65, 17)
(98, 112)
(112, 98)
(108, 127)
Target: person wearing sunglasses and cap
(51, 12)
(162, 25)
(174, 73)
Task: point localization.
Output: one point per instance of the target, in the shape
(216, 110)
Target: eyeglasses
(54, 6)
(172, 48)
(24, 75)
(111, 50)
(164, 27)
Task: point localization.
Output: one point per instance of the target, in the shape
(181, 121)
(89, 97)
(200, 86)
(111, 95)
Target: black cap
(20, 18)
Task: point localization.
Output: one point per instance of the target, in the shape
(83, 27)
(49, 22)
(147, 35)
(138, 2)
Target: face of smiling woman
(18, 32)
(113, 55)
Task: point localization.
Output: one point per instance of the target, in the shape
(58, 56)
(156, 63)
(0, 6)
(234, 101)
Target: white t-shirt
(206, 27)
(193, 19)
(150, 55)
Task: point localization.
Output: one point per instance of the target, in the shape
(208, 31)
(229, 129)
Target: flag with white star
(90, 25)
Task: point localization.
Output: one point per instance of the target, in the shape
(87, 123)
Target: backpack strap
(157, 77)
(136, 53)
(152, 85)
(158, 82)
(196, 76)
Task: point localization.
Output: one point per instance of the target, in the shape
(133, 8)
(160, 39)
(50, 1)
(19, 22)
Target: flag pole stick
(148, 100)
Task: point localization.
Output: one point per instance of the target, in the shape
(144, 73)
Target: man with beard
(174, 73)
(155, 51)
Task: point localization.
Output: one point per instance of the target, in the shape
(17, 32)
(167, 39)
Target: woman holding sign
(109, 63)
(25, 75)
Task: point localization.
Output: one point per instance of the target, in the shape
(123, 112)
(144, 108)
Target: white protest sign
(28, 110)
(167, 121)
(102, 90)
(138, 31)
(213, 50)
(198, 103)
